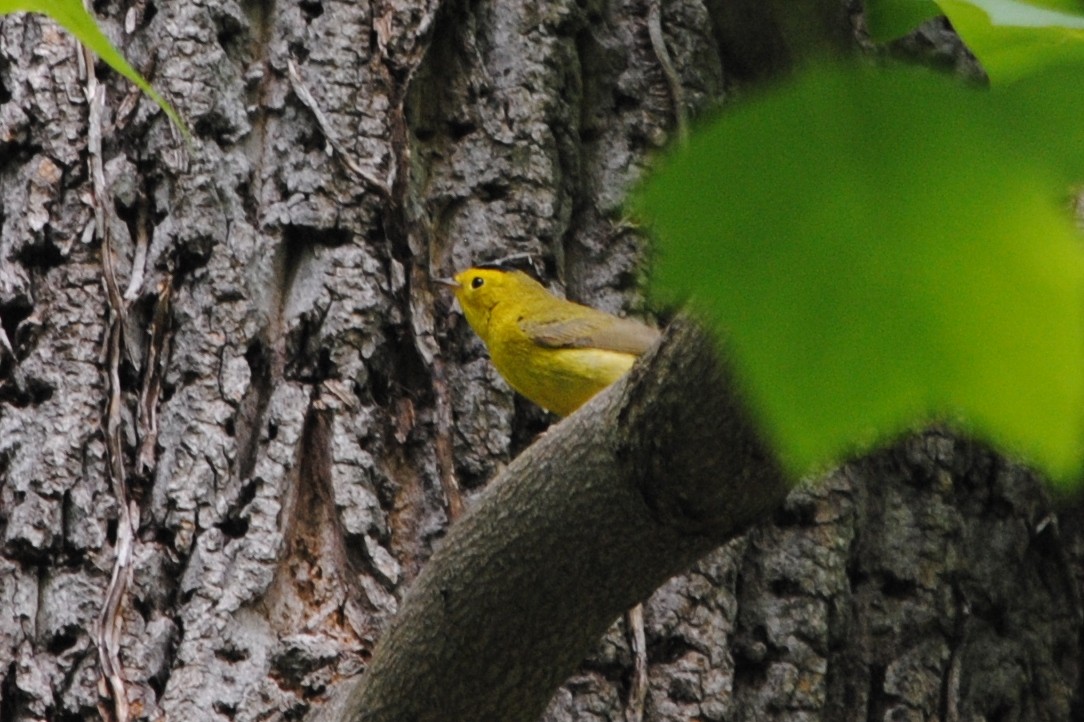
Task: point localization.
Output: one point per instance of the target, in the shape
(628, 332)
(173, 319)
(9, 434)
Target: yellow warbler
(555, 352)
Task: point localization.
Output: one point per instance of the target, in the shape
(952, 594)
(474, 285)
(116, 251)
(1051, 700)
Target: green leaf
(1043, 112)
(71, 15)
(882, 249)
(890, 19)
(1012, 38)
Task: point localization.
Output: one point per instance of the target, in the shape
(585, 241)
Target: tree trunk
(235, 418)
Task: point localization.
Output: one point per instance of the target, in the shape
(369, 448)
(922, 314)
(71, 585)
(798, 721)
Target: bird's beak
(449, 282)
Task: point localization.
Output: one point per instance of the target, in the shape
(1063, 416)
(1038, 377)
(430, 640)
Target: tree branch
(645, 479)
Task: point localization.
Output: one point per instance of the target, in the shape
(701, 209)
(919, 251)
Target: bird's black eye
(477, 282)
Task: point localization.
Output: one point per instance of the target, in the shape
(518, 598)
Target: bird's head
(480, 289)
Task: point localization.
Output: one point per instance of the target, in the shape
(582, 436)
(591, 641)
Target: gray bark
(293, 406)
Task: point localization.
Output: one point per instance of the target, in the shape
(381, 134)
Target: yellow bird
(555, 352)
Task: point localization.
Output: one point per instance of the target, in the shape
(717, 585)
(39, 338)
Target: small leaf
(883, 249)
(890, 19)
(1012, 38)
(73, 17)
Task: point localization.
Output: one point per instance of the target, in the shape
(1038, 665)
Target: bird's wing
(592, 330)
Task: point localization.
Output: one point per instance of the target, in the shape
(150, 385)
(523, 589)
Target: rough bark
(294, 406)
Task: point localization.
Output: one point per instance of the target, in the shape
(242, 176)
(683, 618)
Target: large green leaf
(883, 249)
(73, 17)
(1041, 115)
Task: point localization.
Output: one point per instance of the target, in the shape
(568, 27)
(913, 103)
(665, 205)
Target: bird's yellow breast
(558, 379)
(561, 380)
